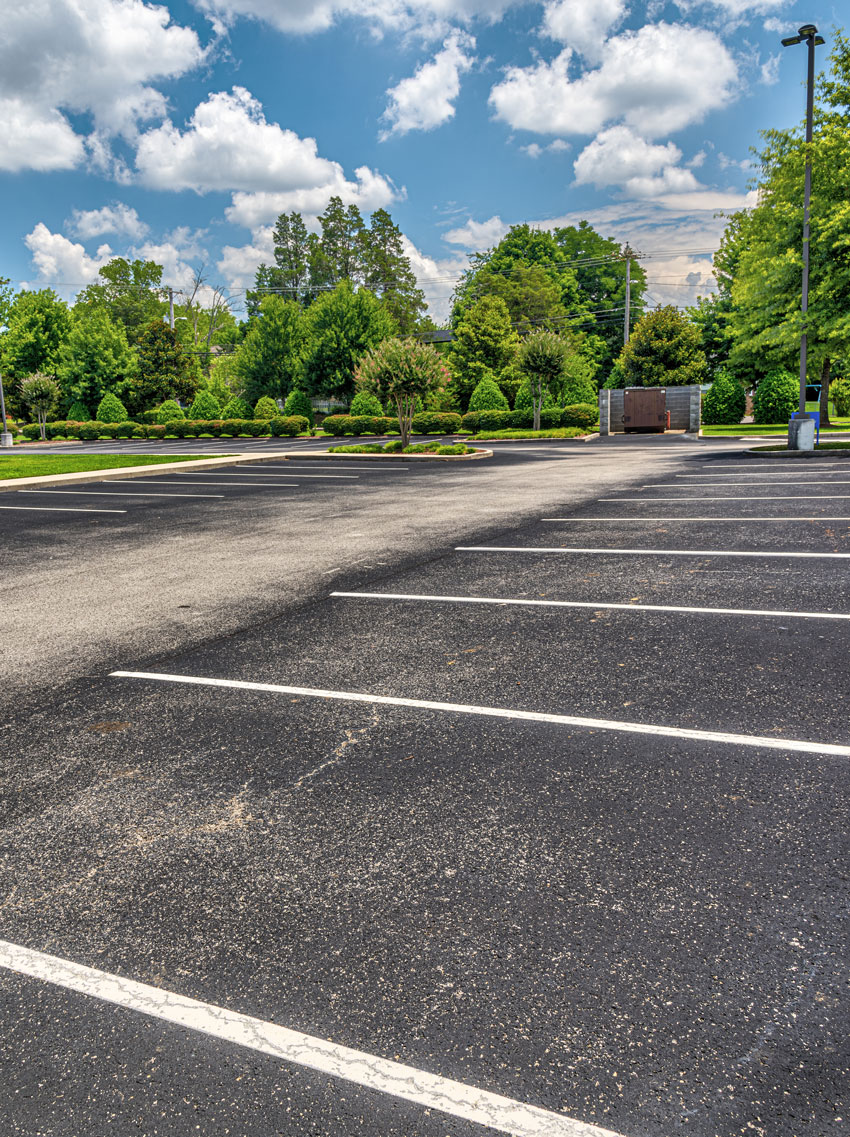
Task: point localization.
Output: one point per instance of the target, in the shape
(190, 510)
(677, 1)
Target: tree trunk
(825, 376)
(538, 404)
(42, 425)
(403, 421)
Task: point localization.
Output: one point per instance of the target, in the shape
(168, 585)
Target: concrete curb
(116, 472)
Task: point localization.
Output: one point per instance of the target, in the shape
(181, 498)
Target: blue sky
(179, 132)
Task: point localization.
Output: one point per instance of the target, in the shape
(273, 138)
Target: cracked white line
(374, 1073)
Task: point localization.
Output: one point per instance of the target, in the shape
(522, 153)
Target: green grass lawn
(38, 465)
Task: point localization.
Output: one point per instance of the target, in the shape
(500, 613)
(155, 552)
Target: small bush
(495, 420)
(139, 431)
(177, 427)
(470, 421)
(257, 427)
(31, 431)
(487, 396)
(169, 412)
(298, 403)
(777, 397)
(147, 418)
(840, 394)
(365, 403)
(111, 409)
(335, 424)
(89, 431)
(236, 408)
(125, 429)
(206, 406)
(289, 426)
(266, 408)
(432, 422)
(78, 412)
(724, 403)
(583, 415)
(155, 431)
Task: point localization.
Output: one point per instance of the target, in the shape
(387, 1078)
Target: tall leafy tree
(37, 325)
(342, 326)
(664, 351)
(342, 243)
(484, 344)
(94, 358)
(164, 370)
(388, 272)
(269, 361)
(132, 293)
(7, 294)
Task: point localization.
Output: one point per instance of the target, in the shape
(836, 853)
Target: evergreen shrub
(839, 392)
(206, 406)
(777, 397)
(90, 431)
(434, 422)
(724, 403)
(298, 403)
(178, 427)
(583, 415)
(288, 426)
(237, 408)
(78, 412)
(169, 412)
(494, 420)
(111, 409)
(365, 403)
(266, 408)
(488, 396)
(125, 429)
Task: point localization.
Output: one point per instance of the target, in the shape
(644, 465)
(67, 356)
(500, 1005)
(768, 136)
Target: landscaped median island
(455, 450)
(45, 465)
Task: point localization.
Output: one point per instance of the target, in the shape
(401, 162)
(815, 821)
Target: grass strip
(41, 465)
(556, 432)
(820, 446)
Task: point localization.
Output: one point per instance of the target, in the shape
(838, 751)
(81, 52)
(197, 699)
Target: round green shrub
(111, 409)
(89, 431)
(583, 415)
(435, 422)
(487, 396)
(125, 429)
(298, 403)
(777, 397)
(288, 426)
(524, 401)
(839, 392)
(78, 412)
(365, 403)
(266, 408)
(170, 411)
(724, 402)
(495, 420)
(206, 406)
(335, 424)
(236, 408)
(177, 427)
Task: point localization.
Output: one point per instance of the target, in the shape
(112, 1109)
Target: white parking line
(369, 1070)
(645, 552)
(58, 509)
(772, 743)
(321, 464)
(510, 601)
(125, 493)
(233, 485)
(780, 474)
(643, 520)
(247, 474)
(738, 497)
(723, 485)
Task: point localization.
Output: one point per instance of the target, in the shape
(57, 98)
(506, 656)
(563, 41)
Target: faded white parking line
(647, 552)
(233, 485)
(779, 474)
(723, 485)
(58, 508)
(319, 464)
(368, 1070)
(643, 520)
(521, 602)
(771, 743)
(124, 493)
(738, 497)
(247, 474)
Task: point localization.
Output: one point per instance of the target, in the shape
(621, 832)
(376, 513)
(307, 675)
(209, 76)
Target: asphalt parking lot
(534, 823)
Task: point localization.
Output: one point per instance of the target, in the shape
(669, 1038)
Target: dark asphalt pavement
(642, 932)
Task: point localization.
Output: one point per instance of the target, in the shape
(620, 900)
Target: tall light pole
(807, 34)
(6, 439)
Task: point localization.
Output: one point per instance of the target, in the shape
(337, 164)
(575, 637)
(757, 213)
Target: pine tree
(389, 275)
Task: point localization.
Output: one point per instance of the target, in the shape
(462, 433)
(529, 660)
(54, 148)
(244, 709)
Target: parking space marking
(224, 474)
(233, 485)
(779, 474)
(647, 552)
(739, 497)
(58, 508)
(458, 1099)
(321, 464)
(723, 485)
(773, 743)
(125, 493)
(643, 520)
(511, 602)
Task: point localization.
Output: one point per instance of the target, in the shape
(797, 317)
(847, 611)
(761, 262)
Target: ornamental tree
(402, 372)
(665, 350)
(541, 359)
(41, 393)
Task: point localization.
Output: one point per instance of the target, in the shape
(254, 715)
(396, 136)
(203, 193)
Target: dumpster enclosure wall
(683, 403)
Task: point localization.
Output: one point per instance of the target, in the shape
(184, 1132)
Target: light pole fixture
(807, 34)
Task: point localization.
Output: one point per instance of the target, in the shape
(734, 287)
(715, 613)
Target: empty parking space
(542, 831)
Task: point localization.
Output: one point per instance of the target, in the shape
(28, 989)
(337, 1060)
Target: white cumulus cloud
(304, 16)
(84, 56)
(115, 218)
(477, 235)
(61, 262)
(582, 25)
(426, 99)
(660, 78)
(619, 157)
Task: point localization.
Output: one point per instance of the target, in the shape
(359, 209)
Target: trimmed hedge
(298, 404)
(433, 422)
(288, 426)
(358, 424)
(78, 412)
(583, 415)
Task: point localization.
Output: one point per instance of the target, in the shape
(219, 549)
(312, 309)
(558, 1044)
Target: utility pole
(6, 439)
(628, 294)
(171, 308)
(807, 33)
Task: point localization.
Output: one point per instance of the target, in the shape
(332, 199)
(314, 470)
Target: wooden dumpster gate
(645, 408)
